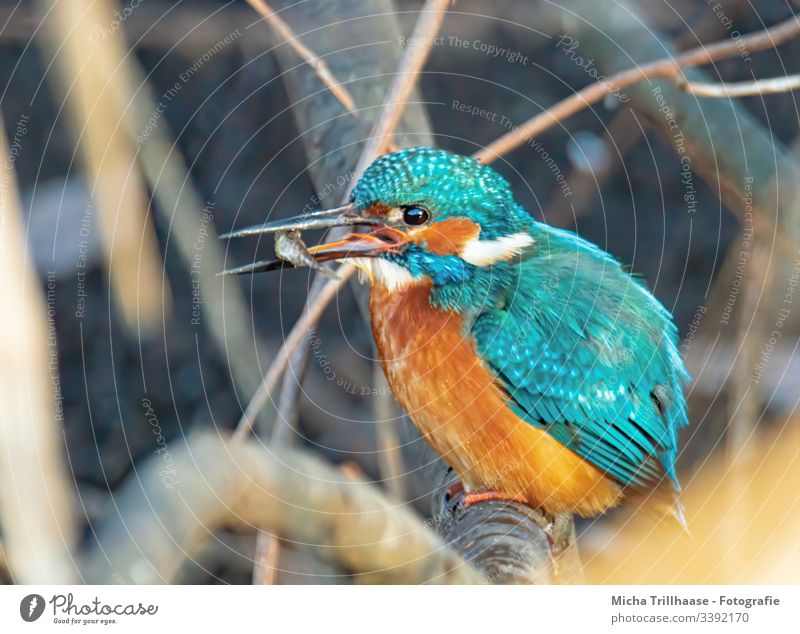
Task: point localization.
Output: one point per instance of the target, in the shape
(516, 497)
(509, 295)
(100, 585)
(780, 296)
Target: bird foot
(474, 497)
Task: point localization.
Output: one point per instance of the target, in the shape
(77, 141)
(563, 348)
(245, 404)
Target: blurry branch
(390, 451)
(37, 512)
(742, 88)
(744, 398)
(763, 522)
(155, 24)
(669, 68)
(127, 104)
(5, 571)
(240, 484)
(619, 135)
(757, 261)
(267, 551)
(229, 554)
(93, 78)
(191, 229)
(305, 53)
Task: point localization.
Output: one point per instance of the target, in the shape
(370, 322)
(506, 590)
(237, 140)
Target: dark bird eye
(415, 216)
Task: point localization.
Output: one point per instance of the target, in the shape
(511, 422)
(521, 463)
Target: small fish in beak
(290, 248)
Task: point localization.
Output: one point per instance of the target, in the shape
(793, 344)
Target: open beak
(361, 245)
(383, 239)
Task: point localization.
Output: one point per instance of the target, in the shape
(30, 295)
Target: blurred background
(139, 130)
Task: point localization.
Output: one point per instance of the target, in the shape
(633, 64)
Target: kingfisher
(536, 365)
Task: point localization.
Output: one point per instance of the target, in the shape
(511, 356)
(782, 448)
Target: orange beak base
(361, 245)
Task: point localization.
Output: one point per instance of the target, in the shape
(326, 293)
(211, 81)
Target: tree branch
(669, 68)
(306, 54)
(93, 76)
(232, 483)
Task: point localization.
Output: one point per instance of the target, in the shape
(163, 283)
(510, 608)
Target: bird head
(430, 216)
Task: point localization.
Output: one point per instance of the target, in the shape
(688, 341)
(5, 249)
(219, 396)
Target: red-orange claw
(475, 497)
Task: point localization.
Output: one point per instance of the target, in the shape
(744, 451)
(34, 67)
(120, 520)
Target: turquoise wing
(606, 414)
(592, 359)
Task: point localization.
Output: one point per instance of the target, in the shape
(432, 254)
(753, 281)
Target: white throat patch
(487, 252)
(388, 274)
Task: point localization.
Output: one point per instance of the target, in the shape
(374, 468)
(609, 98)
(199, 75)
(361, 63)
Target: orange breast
(435, 373)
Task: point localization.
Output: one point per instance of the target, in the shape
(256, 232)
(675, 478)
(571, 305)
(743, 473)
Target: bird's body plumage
(462, 411)
(529, 358)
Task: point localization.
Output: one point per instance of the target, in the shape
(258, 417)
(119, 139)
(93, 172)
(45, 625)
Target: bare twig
(240, 484)
(306, 54)
(265, 559)
(390, 452)
(310, 317)
(669, 68)
(742, 88)
(268, 545)
(37, 513)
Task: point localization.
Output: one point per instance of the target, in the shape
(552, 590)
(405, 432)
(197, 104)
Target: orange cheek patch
(447, 237)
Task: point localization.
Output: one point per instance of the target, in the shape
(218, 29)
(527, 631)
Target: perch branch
(240, 484)
(669, 68)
